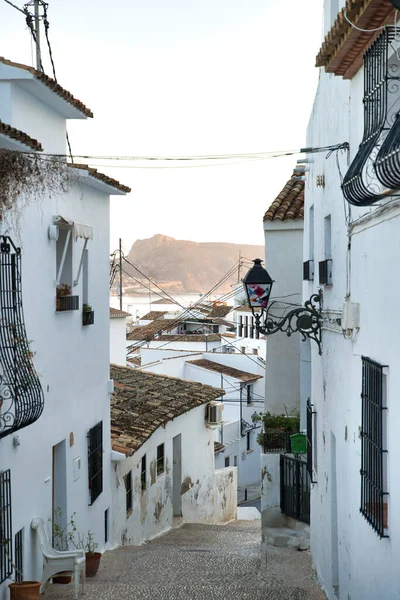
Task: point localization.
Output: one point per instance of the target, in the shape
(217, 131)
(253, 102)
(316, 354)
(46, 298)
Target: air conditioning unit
(308, 270)
(325, 272)
(214, 413)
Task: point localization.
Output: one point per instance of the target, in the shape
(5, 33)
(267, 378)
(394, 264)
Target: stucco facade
(48, 459)
(350, 557)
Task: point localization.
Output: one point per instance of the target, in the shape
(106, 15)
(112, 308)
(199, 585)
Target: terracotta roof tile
(20, 136)
(143, 402)
(53, 85)
(153, 315)
(224, 369)
(148, 332)
(219, 311)
(289, 204)
(115, 313)
(101, 177)
(343, 47)
(194, 337)
(218, 447)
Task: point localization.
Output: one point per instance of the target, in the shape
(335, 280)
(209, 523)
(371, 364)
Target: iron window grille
(106, 532)
(128, 492)
(95, 461)
(362, 184)
(6, 550)
(160, 459)
(373, 452)
(308, 270)
(143, 482)
(310, 414)
(240, 326)
(19, 556)
(227, 461)
(249, 392)
(325, 272)
(248, 441)
(21, 394)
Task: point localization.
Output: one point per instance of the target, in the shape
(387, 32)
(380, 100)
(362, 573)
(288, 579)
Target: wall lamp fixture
(307, 319)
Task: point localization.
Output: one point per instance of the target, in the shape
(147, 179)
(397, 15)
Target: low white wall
(270, 490)
(117, 341)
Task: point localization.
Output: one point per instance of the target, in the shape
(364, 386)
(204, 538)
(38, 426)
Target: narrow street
(201, 561)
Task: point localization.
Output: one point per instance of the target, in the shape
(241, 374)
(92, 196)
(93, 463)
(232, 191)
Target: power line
(14, 6)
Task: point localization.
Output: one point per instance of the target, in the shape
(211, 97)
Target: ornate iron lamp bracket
(307, 320)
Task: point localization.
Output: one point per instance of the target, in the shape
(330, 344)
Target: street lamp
(305, 319)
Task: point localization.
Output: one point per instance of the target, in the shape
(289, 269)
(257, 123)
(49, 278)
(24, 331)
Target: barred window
(95, 461)
(160, 459)
(128, 492)
(373, 446)
(6, 550)
(143, 477)
(19, 556)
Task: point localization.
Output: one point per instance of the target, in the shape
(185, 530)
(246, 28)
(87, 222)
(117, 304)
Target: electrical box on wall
(76, 468)
(351, 315)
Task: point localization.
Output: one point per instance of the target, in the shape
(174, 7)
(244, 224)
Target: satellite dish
(396, 3)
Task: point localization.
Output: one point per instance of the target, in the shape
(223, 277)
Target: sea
(141, 304)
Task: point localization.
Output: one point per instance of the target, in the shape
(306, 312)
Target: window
(240, 326)
(246, 327)
(243, 350)
(248, 436)
(249, 390)
(373, 446)
(252, 327)
(95, 461)
(255, 351)
(328, 236)
(227, 462)
(128, 493)
(235, 461)
(143, 483)
(19, 556)
(6, 556)
(106, 532)
(160, 459)
(64, 256)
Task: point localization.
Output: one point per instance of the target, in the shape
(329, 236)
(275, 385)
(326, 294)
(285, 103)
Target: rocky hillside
(187, 267)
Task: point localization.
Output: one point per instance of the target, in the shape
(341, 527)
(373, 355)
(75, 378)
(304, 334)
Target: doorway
(59, 487)
(177, 475)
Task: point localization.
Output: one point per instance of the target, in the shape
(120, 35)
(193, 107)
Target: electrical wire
(14, 6)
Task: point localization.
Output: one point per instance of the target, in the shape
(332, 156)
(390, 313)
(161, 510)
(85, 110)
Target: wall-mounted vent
(308, 270)
(214, 413)
(325, 272)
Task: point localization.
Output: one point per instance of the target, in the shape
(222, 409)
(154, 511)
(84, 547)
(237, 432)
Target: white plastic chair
(55, 561)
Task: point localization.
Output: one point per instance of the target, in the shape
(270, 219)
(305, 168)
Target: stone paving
(199, 562)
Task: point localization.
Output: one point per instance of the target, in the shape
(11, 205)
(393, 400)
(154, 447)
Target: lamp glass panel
(258, 294)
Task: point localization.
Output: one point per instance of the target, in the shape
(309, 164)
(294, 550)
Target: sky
(182, 78)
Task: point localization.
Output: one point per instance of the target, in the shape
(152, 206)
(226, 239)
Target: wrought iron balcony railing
(21, 394)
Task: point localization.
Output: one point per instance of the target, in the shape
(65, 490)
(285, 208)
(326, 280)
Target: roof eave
(99, 185)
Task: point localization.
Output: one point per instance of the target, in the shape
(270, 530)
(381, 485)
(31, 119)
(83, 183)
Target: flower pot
(63, 577)
(92, 563)
(25, 590)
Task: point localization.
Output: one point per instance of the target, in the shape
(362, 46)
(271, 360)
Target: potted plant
(277, 429)
(62, 291)
(87, 315)
(87, 543)
(60, 537)
(21, 590)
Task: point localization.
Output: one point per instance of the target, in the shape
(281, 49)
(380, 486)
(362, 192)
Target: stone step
(284, 537)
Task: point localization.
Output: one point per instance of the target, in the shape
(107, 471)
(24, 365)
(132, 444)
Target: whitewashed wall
(346, 551)
(208, 496)
(117, 341)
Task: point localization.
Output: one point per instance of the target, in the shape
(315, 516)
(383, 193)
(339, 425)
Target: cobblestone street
(198, 562)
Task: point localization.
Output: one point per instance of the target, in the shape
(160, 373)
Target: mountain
(187, 267)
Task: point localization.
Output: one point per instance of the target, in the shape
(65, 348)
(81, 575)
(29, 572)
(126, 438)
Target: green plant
(68, 536)
(282, 422)
(86, 308)
(63, 290)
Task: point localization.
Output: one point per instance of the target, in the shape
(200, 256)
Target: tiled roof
(194, 337)
(136, 361)
(220, 321)
(53, 85)
(147, 332)
(228, 334)
(20, 136)
(143, 402)
(101, 177)
(115, 313)
(343, 47)
(243, 308)
(219, 311)
(218, 447)
(289, 204)
(153, 314)
(224, 369)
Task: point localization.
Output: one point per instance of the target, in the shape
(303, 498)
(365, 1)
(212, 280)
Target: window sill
(249, 451)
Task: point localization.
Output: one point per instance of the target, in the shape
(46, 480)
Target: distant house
(118, 336)
(164, 457)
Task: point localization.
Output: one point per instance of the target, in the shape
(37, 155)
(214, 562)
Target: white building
(355, 245)
(164, 457)
(242, 380)
(118, 336)
(54, 397)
